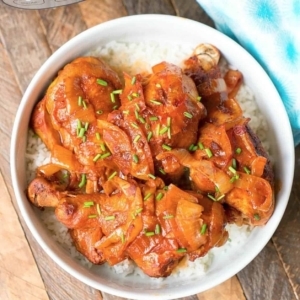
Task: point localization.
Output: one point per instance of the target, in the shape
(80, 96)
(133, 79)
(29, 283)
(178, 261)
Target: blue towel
(270, 31)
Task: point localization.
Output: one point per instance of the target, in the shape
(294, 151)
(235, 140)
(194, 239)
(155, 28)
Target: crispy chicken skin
(153, 169)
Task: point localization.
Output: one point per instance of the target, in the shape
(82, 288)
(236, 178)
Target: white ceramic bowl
(179, 30)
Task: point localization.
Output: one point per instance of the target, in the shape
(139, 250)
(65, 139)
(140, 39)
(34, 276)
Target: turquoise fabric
(270, 31)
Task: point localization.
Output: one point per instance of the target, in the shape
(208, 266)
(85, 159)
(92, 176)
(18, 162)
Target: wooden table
(27, 39)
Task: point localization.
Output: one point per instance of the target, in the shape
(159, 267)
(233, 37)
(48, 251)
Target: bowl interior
(172, 30)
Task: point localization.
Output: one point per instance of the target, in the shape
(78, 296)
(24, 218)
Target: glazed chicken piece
(156, 254)
(227, 143)
(85, 90)
(79, 95)
(180, 225)
(172, 97)
(44, 193)
(217, 93)
(85, 240)
(205, 175)
(117, 212)
(157, 114)
(213, 227)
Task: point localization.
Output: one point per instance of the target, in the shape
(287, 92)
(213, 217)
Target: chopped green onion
(247, 170)
(81, 132)
(135, 158)
(163, 130)
(129, 97)
(134, 125)
(169, 132)
(208, 152)
(166, 147)
(149, 233)
(107, 154)
(126, 112)
(199, 98)
(86, 126)
(256, 217)
(142, 120)
(112, 175)
(238, 150)
(203, 229)
(162, 171)
(211, 197)
(168, 121)
(153, 118)
(234, 178)
(234, 163)
(232, 170)
(99, 112)
(165, 188)
(193, 148)
(139, 210)
(84, 104)
(109, 218)
(137, 107)
(220, 197)
(151, 176)
(92, 216)
(133, 80)
(88, 203)
(96, 157)
(155, 102)
(214, 198)
(200, 145)
(98, 136)
(98, 209)
(112, 98)
(84, 139)
(117, 92)
(149, 136)
(135, 95)
(80, 101)
(82, 181)
(159, 196)
(188, 115)
(147, 196)
(135, 140)
(102, 82)
(157, 229)
(122, 238)
(102, 146)
(157, 129)
(136, 114)
(168, 217)
(181, 250)
(217, 189)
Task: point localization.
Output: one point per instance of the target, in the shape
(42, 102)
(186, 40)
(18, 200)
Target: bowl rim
(67, 266)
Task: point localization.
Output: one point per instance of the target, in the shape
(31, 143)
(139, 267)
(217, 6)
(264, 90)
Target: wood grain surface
(27, 39)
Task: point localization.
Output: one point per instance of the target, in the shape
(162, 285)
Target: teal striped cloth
(270, 31)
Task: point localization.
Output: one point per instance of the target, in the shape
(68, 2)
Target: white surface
(175, 30)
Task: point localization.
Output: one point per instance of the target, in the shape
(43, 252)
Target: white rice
(136, 58)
